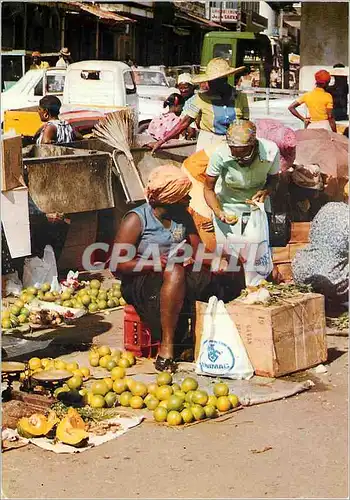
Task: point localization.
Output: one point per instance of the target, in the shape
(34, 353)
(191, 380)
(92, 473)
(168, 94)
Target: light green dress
(237, 183)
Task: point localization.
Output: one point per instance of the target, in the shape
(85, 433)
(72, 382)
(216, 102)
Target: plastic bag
(38, 271)
(255, 249)
(222, 352)
(13, 285)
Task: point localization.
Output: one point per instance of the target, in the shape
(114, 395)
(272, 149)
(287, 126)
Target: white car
(152, 89)
(33, 85)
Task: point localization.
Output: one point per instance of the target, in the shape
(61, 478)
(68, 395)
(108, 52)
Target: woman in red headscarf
(319, 104)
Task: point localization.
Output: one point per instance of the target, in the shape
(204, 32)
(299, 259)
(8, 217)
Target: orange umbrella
(326, 149)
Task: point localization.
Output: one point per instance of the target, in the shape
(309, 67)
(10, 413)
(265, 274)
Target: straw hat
(65, 52)
(36, 53)
(217, 68)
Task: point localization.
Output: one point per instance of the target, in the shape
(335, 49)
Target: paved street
(308, 456)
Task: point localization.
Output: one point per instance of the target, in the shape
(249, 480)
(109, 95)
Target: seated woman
(324, 263)
(54, 130)
(161, 294)
(160, 126)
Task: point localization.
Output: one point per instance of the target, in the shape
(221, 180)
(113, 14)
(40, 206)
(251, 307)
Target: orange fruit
(136, 402)
(220, 389)
(119, 386)
(124, 398)
(164, 378)
(189, 384)
(200, 398)
(223, 403)
(139, 389)
(99, 387)
(109, 383)
(233, 400)
(124, 363)
(97, 401)
(174, 418)
(210, 411)
(175, 403)
(187, 415)
(117, 372)
(152, 388)
(198, 412)
(160, 414)
(164, 392)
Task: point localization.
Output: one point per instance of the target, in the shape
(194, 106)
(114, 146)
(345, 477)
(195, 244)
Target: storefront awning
(204, 23)
(103, 15)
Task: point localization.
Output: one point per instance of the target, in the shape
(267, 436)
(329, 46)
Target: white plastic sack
(222, 352)
(13, 285)
(255, 247)
(38, 271)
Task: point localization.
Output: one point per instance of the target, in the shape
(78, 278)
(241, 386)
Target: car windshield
(22, 83)
(150, 78)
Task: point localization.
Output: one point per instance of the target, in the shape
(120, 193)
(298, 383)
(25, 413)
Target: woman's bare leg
(172, 296)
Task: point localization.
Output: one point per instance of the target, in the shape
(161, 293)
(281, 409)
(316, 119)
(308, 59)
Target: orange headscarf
(167, 185)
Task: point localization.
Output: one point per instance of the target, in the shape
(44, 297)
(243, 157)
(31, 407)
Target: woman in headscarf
(185, 86)
(215, 108)
(324, 263)
(242, 170)
(161, 292)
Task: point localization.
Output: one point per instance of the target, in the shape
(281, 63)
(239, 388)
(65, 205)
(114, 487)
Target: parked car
(91, 90)
(33, 85)
(152, 89)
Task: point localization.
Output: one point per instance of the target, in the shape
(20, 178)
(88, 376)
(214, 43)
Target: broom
(117, 130)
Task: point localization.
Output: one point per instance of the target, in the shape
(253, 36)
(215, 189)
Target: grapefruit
(85, 371)
(45, 287)
(187, 415)
(124, 398)
(109, 383)
(139, 389)
(220, 389)
(180, 394)
(110, 303)
(164, 378)
(129, 382)
(99, 388)
(164, 392)
(60, 364)
(152, 402)
(124, 363)
(210, 411)
(93, 308)
(223, 403)
(160, 414)
(34, 363)
(174, 418)
(75, 382)
(129, 356)
(136, 402)
(233, 400)
(198, 412)
(189, 384)
(175, 403)
(97, 401)
(94, 360)
(212, 400)
(110, 399)
(104, 350)
(152, 388)
(164, 404)
(200, 398)
(188, 397)
(78, 372)
(45, 362)
(95, 284)
(72, 366)
(117, 372)
(176, 387)
(110, 365)
(85, 300)
(119, 386)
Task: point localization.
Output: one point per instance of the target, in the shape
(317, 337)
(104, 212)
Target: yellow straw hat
(217, 68)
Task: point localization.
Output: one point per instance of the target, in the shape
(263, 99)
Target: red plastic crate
(137, 336)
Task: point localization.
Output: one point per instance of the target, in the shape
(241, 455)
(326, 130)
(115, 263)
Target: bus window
(223, 50)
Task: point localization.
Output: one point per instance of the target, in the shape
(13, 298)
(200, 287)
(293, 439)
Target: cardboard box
(11, 163)
(280, 254)
(300, 232)
(15, 221)
(279, 339)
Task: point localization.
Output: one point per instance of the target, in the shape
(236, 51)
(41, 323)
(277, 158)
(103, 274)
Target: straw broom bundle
(117, 130)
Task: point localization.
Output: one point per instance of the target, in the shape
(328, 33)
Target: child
(160, 126)
(54, 130)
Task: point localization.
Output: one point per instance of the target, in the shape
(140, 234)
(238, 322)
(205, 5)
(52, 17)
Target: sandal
(165, 364)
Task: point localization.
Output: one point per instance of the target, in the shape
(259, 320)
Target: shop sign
(224, 15)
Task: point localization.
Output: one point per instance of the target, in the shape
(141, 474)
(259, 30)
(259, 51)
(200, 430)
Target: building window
(224, 51)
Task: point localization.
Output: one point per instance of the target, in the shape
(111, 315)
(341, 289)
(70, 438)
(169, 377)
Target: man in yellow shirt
(37, 62)
(319, 104)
